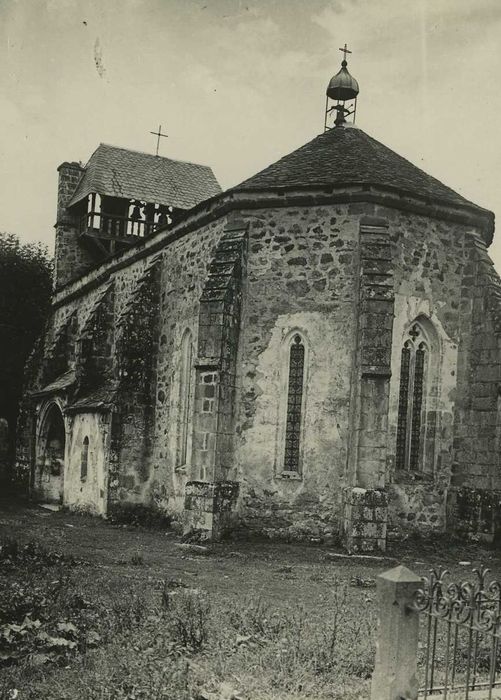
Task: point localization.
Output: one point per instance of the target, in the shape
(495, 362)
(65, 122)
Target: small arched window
(184, 405)
(84, 459)
(295, 409)
(411, 426)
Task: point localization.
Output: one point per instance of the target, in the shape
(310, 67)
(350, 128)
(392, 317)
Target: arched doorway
(50, 455)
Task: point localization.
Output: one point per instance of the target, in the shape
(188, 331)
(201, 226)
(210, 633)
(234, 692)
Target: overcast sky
(237, 84)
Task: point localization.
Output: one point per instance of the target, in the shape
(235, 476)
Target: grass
(176, 643)
(137, 617)
(79, 637)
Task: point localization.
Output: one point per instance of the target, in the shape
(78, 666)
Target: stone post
(395, 671)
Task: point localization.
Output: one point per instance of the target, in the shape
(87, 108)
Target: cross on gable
(158, 134)
(345, 51)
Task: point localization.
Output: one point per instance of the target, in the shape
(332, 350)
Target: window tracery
(411, 424)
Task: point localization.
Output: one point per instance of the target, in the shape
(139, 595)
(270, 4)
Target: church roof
(62, 382)
(346, 156)
(118, 172)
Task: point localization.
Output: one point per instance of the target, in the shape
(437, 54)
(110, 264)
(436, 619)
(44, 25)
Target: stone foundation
(475, 513)
(209, 507)
(365, 516)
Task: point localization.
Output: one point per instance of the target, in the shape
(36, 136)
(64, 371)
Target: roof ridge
(151, 155)
(120, 172)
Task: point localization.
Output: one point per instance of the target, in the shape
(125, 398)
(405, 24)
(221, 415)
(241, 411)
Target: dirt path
(275, 571)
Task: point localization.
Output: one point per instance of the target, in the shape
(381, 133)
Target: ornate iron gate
(460, 653)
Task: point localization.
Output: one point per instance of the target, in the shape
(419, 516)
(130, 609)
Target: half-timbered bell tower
(119, 197)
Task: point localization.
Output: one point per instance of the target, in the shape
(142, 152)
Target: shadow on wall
(5, 456)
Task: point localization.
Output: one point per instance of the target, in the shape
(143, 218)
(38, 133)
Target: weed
(189, 615)
(137, 559)
(9, 548)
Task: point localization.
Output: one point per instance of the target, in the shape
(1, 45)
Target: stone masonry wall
(473, 500)
(301, 277)
(183, 269)
(134, 375)
(430, 268)
(71, 258)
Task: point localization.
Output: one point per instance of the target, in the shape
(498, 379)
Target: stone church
(313, 354)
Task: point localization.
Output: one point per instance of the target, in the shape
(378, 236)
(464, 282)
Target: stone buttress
(211, 494)
(365, 500)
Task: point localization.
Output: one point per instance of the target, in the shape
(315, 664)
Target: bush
(11, 552)
(139, 514)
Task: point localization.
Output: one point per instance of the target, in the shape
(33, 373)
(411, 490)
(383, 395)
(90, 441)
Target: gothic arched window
(84, 459)
(411, 426)
(184, 405)
(295, 409)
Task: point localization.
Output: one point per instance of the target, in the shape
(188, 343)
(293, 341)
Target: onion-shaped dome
(343, 86)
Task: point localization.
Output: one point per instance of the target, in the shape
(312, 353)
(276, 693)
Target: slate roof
(62, 382)
(99, 399)
(348, 156)
(119, 172)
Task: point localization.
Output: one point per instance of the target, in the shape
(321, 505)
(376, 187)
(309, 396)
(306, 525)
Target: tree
(25, 289)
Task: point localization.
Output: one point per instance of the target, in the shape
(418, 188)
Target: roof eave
(393, 197)
(222, 204)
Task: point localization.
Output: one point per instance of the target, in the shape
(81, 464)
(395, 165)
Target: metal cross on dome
(159, 134)
(345, 51)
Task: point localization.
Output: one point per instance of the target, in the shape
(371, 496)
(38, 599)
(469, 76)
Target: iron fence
(460, 652)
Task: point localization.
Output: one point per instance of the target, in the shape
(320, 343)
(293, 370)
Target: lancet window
(295, 401)
(84, 459)
(411, 426)
(184, 399)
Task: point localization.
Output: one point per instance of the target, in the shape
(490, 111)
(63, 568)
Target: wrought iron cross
(159, 134)
(345, 51)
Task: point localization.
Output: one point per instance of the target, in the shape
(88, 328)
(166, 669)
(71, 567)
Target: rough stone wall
(136, 353)
(147, 307)
(184, 272)
(429, 270)
(59, 350)
(71, 258)
(473, 500)
(301, 277)
(96, 345)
